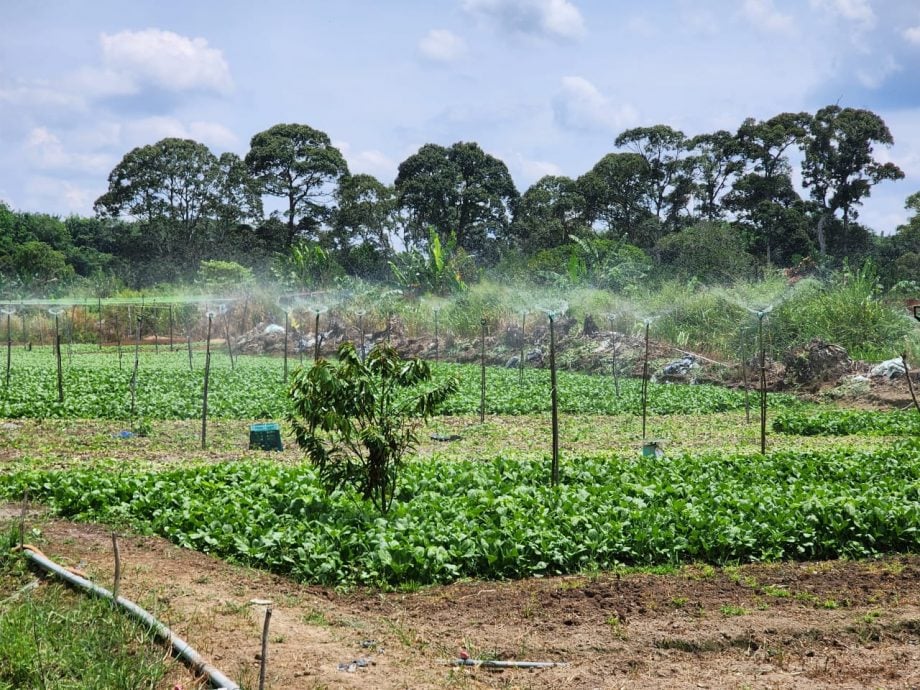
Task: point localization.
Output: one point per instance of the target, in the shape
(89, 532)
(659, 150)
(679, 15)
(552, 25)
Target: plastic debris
(445, 437)
(273, 328)
(124, 433)
(889, 369)
(353, 666)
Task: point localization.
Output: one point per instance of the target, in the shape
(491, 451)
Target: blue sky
(545, 85)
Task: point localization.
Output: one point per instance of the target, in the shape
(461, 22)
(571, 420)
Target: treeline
(715, 206)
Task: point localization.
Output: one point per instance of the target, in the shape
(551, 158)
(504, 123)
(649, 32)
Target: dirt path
(809, 625)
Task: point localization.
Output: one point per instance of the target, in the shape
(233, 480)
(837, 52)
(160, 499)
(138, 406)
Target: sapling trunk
(263, 659)
(554, 478)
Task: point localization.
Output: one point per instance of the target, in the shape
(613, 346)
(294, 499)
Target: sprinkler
(360, 314)
(317, 310)
(551, 314)
(99, 310)
(56, 312)
(117, 338)
(9, 311)
(437, 344)
(521, 357)
(207, 372)
(645, 378)
(763, 381)
(222, 308)
(613, 358)
(482, 362)
(137, 343)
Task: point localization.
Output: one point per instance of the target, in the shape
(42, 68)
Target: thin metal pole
(57, 348)
(744, 379)
(316, 338)
(9, 347)
(554, 402)
(361, 328)
(171, 322)
(521, 358)
(117, 338)
(613, 364)
(286, 319)
(137, 348)
(763, 389)
(645, 383)
(437, 342)
(482, 367)
(204, 401)
(229, 344)
(99, 307)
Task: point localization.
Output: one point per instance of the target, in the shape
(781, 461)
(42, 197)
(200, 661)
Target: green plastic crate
(265, 437)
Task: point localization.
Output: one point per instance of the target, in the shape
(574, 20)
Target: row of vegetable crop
(816, 422)
(95, 386)
(500, 519)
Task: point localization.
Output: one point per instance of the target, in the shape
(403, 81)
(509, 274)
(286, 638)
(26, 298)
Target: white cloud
(580, 105)
(441, 45)
(151, 129)
(912, 35)
(873, 76)
(533, 170)
(46, 151)
(557, 19)
(763, 15)
(370, 161)
(163, 59)
(857, 11)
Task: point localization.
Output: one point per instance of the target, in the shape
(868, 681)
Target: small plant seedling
(729, 610)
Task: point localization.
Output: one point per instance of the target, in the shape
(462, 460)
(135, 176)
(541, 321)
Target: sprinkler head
(8, 311)
(210, 314)
(56, 311)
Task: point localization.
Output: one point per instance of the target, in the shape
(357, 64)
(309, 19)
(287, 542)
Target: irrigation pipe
(487, 663)
(180, 647)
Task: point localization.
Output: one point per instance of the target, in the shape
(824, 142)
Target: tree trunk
(822, 240)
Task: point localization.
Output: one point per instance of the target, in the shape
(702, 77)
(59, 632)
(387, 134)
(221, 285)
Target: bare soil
(791, 625)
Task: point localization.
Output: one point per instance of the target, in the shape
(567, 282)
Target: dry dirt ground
(792, 625)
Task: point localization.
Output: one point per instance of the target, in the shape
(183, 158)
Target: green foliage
(604, 263)
(847, 422)
(306, 266)
(438, 268)
(710, 252)
(223, 275)
(498, 519)
(356, 419)
(55, 638)
(848, 311)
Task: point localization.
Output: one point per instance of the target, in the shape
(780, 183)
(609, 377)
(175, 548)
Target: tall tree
(663, 150)
(168, 187)
(549, 213)
(715, 162)
(764, 195)
(840, 167)
(299, 164)
(460, 189)
(363, 225)
(617, 193)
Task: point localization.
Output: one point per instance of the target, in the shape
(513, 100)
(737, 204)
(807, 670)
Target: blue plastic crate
(265, 437)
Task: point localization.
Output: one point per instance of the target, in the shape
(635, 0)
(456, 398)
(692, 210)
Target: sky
(544, 85)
